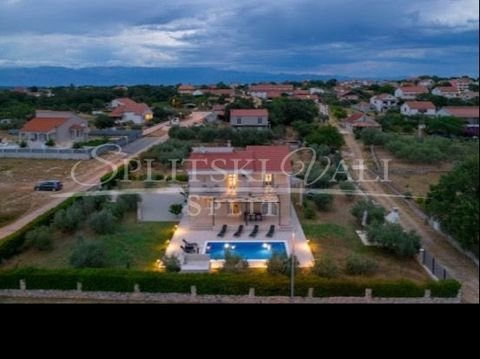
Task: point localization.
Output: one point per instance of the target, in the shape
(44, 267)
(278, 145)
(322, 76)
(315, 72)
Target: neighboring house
(228, 92)
(186, 89)
(219, 110)
(269, 91)
(65, 128)
(383, 102)
(446, 91)
(429, 83)
(348, 96)
(360, 121)
(127, 110)
(462, 85)
(469, 95)
(197, 93)
(249, 118)
(363, 106)
(412, 108)
(469, 114)
(315, 90)
(410, 92)
(305, 95)
(255, 181)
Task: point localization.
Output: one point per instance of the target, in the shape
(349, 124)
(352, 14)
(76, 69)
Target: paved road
(458, 265)
(93, 177)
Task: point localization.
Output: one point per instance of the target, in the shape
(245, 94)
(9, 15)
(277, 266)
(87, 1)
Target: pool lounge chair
(239, 232)
(255, 231)
(271, 231)
(223, 231)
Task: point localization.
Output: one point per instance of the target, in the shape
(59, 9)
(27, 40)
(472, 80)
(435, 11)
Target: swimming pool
(253, 251)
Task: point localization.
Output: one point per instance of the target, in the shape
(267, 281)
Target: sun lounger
(239, 232)
(223, 231)
(255, 231)
(271, 231)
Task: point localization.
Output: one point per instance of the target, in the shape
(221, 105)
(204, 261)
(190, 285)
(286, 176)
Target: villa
(240, 200)
(127, 110)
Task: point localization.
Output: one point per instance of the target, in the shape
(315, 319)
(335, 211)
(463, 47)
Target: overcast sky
(345, 37)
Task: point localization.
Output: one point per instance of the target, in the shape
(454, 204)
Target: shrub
(182, 177)
(40, 238)
(326, 267)
(349, 189)
(130, 201)
(281, 264)
(23, 144)
(234, 263)
(323, 201)
(393, 238)
(172, 264)
(359, 265)
(309, 211)
(68, 220)
(371, 136)
(102, 222)
(50, 143)
(176, 209)
(376, 213)
(88, 255)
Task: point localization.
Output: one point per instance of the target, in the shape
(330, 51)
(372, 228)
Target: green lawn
(338, 242)
(137, 245)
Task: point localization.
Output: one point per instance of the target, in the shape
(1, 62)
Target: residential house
(469, 95)
(412, 108)
(429, 83)
(410, 92)
(363, 106)
(219, 111)
(226, 92)
(315, 90)
(383, 102)
(235, 187)
(359, 121)
(64, 128)
(186, 89)
(446, 91)
(127, 110)
(249, 118)
(462, 85)
(269, 91)
(469, 114)
(348, 96)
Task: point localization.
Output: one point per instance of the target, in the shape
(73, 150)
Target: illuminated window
(268, 181)
(232, 182)
(233, 209)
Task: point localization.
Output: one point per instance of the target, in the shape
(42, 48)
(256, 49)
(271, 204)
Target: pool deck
(201, 237)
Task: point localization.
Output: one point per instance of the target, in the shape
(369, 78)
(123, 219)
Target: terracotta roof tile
(43, 124)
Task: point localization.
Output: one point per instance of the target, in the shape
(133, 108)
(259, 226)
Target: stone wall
(78, 295)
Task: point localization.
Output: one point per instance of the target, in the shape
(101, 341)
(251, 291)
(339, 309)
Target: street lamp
(292, 269)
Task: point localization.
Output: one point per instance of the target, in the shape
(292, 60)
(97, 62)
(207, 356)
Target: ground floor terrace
(256, 249)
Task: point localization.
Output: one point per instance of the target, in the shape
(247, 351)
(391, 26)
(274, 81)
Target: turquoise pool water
(247, 250)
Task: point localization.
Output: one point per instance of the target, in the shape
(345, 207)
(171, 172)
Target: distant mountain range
(111, 76)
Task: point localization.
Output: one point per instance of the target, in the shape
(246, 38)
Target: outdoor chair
(271, 231)
(255, 231)
(223, 231)
(239, 232)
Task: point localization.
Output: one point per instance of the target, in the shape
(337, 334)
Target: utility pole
(292, 269)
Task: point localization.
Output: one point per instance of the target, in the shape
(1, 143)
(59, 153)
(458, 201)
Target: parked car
(48, 186)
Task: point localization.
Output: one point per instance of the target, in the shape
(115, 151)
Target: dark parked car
(49, 186)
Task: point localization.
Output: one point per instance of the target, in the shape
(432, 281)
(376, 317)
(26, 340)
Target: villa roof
(355, 117)
(414, 89)
(43, 124)
(448, 89)
(463, 112)
(253, 159)
(128, 105)
(420, 105)
(256, 112)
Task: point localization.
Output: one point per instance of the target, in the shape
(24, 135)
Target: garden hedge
(13, 243)
(111, 280)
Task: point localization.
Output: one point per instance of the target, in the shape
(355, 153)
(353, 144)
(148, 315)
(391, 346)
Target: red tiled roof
(270, 87)
(128, 105)
(448, 89)
(43, 124)
(186, 88)
(414, 89)
(384, 96)
(420, 105)
(260, 112)
(225, 92)
(355, 117)
(368, 123)
(253, 158)
(463, 112)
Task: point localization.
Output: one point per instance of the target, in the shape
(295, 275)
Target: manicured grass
(338, 242)
(134, 245)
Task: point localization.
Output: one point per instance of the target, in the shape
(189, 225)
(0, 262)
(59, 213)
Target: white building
(446, 91)
(127, 110)
(383, 102)
(412, 108)
(410, 92)
(249, 118)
